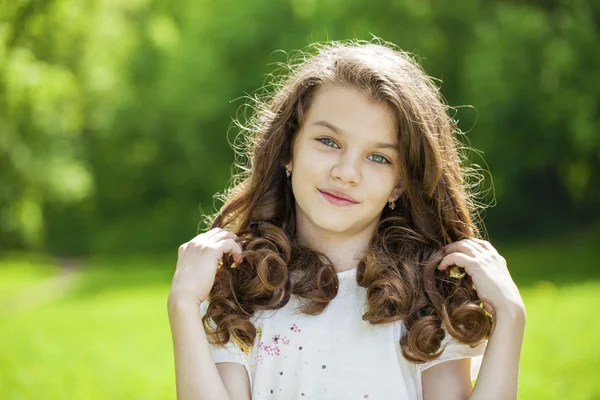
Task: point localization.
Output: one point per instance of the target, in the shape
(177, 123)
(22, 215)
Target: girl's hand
(197, 264)
(488, 270)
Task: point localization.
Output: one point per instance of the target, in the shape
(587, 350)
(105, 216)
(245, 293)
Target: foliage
(115, 116)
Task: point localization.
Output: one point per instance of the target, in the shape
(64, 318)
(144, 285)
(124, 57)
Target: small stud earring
(288, 172)
(392, 204)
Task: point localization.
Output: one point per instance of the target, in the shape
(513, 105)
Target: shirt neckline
(347, 273)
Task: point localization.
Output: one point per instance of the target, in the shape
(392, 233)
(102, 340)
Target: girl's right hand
(197, 264)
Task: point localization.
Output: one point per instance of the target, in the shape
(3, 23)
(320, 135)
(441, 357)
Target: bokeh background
(115, 130)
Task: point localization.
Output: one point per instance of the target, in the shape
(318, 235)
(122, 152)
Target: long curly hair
(399, 267)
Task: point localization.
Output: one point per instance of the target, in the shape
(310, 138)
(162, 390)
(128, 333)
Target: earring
(288, 172)
(392, 204)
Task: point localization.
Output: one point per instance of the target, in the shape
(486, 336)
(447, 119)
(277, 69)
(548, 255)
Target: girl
(345, 262)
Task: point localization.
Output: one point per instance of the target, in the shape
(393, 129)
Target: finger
(212, 232)
(475, 245)
(182, 248)
(487, 245)
(205, 235)
(463, 246)
(458, 259)
(223, 235)
(216, 235)
(230, 246)
(237, 258)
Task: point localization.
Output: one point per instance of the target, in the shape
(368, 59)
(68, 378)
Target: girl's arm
(499, 374)
(197, 377)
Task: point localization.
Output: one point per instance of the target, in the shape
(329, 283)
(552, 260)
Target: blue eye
(383, 160)
(322, 140)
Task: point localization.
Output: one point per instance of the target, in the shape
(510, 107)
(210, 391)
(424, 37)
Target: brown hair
(399, 268)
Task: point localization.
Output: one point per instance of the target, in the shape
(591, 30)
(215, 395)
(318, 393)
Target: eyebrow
(380, 145)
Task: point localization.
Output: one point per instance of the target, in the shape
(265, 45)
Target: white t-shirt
(334, 355)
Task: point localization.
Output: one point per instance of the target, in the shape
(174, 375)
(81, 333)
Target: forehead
(350, 110)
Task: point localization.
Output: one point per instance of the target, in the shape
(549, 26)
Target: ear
(289, 165)
(398, 190)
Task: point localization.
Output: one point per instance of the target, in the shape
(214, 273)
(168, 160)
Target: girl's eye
(377, 158)
(382, 158)
(326, 140)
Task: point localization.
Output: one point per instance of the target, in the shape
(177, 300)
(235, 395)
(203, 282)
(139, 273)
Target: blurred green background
(115, 123)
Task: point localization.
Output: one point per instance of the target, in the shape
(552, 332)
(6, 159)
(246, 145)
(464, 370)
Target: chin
(331, 221)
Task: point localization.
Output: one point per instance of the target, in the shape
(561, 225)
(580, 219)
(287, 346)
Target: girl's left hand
(488, 270)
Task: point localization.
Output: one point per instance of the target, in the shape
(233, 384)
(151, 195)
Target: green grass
(21, 272)
(561, 353)
(108, 336)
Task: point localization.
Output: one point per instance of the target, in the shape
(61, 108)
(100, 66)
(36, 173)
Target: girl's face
(346, 144)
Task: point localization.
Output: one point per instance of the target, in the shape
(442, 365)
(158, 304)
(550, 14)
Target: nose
(347, 169)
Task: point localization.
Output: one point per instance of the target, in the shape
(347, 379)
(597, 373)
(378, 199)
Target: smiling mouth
(336, 200)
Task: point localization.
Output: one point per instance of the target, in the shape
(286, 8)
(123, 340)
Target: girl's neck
(343, 249)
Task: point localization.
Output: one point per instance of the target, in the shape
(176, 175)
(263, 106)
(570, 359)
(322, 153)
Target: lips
(338, 197)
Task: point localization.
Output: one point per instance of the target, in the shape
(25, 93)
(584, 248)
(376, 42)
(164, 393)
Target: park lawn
(18, 273)
(561, 352)
(108, 336)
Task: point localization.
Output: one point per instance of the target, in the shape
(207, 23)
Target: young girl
(345, 262)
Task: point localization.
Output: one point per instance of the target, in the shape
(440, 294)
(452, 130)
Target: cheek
(312, 161)
(375, 193)
(378, 182)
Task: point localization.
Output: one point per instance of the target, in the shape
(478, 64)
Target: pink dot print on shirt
(273, 348)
